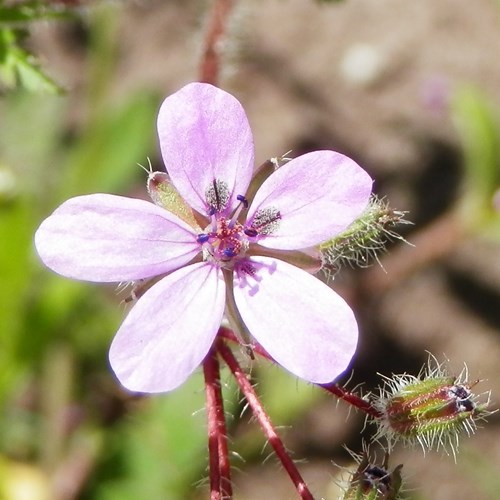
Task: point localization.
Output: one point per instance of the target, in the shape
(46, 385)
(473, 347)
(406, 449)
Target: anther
(266, 221)
(229, 253)
(243, 200)
(217, 196)
(202, 238)
(250, 231)
(243, 204)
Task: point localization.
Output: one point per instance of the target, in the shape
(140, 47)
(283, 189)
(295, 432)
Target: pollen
(266, 221)
(227, 242)
(217, 196)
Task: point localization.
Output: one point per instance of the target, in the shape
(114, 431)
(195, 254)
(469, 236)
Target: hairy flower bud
(431, 409)
(374, 482)
(364, 239)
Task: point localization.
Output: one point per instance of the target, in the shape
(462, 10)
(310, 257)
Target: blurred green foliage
(479, 129)
(18, 67)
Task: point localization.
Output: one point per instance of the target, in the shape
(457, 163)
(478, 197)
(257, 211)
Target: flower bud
(374, 482)
(364, 239)
(431, 409)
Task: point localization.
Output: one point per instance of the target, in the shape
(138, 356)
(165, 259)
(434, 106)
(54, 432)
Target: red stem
(264, 420)
(219, 466)
(352, 399)
(334, 389)
(210, 63)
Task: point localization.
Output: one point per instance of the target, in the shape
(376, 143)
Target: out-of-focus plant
(479, 129)
(19, 68)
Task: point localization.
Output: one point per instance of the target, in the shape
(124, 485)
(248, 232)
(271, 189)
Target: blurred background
(410, 90)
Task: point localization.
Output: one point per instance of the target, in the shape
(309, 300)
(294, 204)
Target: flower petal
(301, 322)
(205, 136)
(170, 330)
(317, 196)
(108, 238)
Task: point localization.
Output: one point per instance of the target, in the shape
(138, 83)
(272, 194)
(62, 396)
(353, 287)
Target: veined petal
(170, 330)
(205, 137)
(317, 195)
(301, 322)
(107, 238)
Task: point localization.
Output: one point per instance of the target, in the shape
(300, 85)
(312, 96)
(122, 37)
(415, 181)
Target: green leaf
(19, 68)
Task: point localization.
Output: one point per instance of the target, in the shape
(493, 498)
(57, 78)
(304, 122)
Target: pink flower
(219, 262)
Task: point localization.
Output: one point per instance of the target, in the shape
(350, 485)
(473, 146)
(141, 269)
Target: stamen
(202, 238)
(251, 232)
(243, 204)
(229, 253)
(217, 196)
(266, 220)
(243, 200)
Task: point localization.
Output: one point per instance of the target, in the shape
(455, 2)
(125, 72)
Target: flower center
(225, 240)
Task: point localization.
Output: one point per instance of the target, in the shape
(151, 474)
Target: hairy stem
(336, 390)
(219, 466)
(264, 420)
(352, 399)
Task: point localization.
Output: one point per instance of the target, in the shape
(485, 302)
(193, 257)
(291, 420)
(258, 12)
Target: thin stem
(264, 420)
(352, 399)
(336, 390)
(219, 466)
(210, 64)
(228, 334)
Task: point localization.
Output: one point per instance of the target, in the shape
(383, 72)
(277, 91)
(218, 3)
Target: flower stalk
(264, 420)
(352, 399)
(335, 389)
(219, 465)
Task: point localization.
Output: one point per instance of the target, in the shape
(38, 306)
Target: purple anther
(202, 238)
(229, 252)
(250, 231)
(243, 200)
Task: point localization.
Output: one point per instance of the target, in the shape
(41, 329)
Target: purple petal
(317, 196)
(302, 323)
(205, 136)
(108, 238)
(170, 330)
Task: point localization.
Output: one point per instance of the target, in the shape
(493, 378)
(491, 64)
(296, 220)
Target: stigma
(225, 243)
(225, 239)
